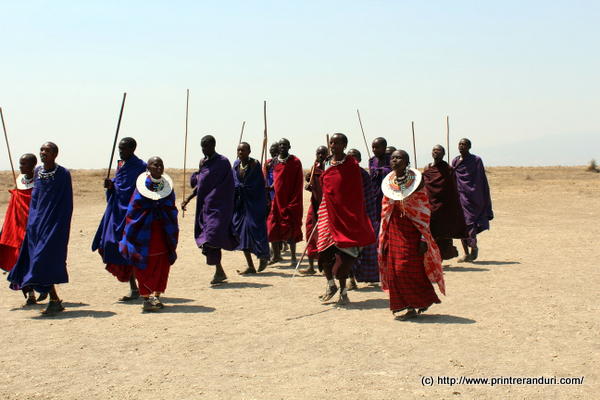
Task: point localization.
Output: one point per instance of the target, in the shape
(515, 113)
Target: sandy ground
(527, 308)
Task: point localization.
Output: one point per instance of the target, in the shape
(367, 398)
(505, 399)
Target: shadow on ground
(465, 269)
(241, 285)
(368, 304)
(440, 319)
(184, 309)
(68, 314)
(43, 305)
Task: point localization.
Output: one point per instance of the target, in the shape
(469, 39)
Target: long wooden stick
(112, 154)
(263, 154)
(363, 133)
(414, 143)
(242, 132)
(327, 146)
(8, 147)
(448, 137)
(305, 249)
(187, 104)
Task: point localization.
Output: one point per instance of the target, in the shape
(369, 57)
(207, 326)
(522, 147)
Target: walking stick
(242, 132)
(263, 154)
(187, 103)
(306, 248)
(363, 133)
(327, 146)
(414, 145)
(112, 154)
(8, 147)
(448, 137)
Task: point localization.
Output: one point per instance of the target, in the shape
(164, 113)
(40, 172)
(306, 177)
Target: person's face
(125, 151)
(208, 147)
(321, 154)
(438, 153)
(389, 150)
(156, 167)
(26, 166)
(47, 154)
(399, 162)
(337, 145)
(284, 147)
(378, 148)
(243, 152)
(355, 154)
(274, 150)
(463, 147)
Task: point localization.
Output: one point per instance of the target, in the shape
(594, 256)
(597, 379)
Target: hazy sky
(509, 74)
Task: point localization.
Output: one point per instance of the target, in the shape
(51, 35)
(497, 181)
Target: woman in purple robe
(214, 188)
(250, 209)
(474, 194)
(42, 261)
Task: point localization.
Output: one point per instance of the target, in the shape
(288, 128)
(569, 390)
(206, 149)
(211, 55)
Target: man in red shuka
(343, 226)
(284, 223)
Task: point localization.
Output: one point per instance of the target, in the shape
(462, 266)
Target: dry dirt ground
(527, 308)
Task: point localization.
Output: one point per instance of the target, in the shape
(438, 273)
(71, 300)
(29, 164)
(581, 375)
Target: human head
(389, 150)
(208, 144)
(438, 152)
(27, 164)
(284, 147)
(127, 147)
(337, 144)
(243, 151)
(378, 146)
(399, 162)
(156, 167)
(356, 154)
(48, 153)
(274, 150)
(464, 145)
(321, 153)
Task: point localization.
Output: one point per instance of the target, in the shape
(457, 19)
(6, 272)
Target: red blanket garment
(343, 196)
(285, 218)
(13, 230)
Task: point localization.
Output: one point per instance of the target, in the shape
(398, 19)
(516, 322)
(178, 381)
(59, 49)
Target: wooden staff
(112, 154)
(305, 249)
(414, 143)
(8, 148)
(448, 137)
(187, 103)
(242, 132)
(327, 145)
(263, 154)
(363, 133)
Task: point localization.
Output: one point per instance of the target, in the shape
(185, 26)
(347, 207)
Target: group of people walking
(392, 225)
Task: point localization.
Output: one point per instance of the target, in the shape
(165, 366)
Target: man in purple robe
(447, 218)
(214, 188)
(474, 194)
(110, 231)
(42, 261)
(379, 167)
(250, 209)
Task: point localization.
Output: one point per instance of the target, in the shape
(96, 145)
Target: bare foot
(247, 271)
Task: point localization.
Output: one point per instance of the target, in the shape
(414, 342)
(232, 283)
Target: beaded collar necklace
(43, 174)
(156, 185)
